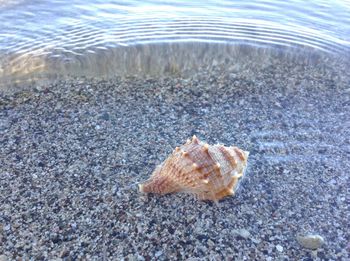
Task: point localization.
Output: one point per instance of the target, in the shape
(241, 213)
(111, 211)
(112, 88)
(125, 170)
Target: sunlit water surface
(42, 39)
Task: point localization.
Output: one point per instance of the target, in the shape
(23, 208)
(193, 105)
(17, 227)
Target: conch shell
(210, 172)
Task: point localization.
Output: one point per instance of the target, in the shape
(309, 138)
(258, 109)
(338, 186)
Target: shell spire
(210, 172)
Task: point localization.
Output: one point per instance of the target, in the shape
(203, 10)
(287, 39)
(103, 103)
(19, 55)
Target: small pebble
(310, 241)
(140, 258)
(243, 233)
(158, 253)
(279, 248)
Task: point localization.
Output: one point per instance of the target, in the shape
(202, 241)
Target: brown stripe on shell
(229, 190)
(240, 154)
(208, 159)
(223, 193)
(227, 155)
(185, 178)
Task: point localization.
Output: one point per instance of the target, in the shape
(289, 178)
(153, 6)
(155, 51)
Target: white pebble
(279, 248)
(242, 233)
(3, 258)
(310, 241)
(158, 253)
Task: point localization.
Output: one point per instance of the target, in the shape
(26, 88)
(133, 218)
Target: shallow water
(270, 77)
(72, 154)
(45, 39)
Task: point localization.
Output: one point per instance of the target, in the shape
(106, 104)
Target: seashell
(210, 172)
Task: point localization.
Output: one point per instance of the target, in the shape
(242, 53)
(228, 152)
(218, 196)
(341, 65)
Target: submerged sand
(72, 153)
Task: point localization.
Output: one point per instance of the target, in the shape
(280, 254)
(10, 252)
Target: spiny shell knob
(210, 172)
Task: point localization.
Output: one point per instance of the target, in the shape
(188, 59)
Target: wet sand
(72, 154)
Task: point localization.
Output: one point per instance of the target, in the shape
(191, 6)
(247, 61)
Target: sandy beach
(72, 154)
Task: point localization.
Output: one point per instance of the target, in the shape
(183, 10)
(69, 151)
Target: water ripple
(70, 29)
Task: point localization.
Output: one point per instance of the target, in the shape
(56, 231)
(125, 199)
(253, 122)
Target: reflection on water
(88, 37)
